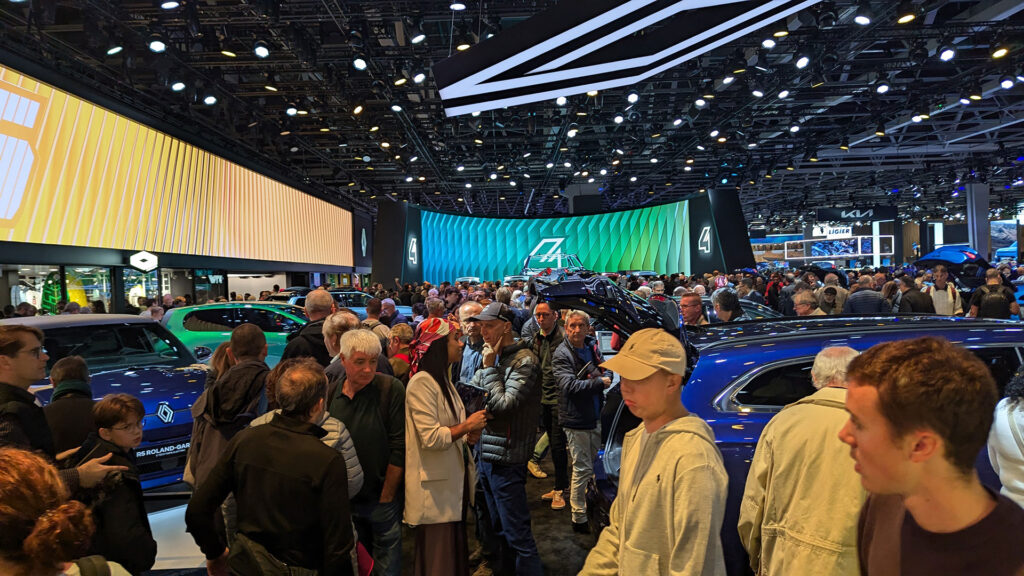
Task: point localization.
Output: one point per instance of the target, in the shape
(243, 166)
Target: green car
(210, 324)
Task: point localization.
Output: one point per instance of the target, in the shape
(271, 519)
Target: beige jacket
(802, 498)
(666, 521)
(434, 464)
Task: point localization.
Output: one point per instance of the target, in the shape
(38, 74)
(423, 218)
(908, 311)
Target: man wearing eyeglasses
(691, 306)
(22, 421)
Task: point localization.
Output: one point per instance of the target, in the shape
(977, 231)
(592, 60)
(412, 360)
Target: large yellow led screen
(72, 173)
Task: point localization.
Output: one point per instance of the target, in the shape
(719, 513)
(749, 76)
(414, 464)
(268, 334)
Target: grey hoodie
(667, 516)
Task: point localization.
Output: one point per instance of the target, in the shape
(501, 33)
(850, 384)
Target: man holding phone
(581, 393)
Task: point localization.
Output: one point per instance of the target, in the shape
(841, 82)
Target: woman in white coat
(1006, 440)
(439, 471)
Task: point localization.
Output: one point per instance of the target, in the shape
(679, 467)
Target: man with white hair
(798, 461)
(390, 315)
(309, 341)
(805, 304)
(372, 407)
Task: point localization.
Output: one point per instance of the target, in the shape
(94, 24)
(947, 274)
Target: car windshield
(542, 261)
(115, 346)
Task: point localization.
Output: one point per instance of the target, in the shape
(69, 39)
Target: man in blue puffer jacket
(581, 392)
(510, 375)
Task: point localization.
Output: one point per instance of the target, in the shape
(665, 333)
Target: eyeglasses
(128, 427)
(34, 352)
(689, 305)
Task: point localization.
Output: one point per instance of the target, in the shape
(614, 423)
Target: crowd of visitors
(314, 466)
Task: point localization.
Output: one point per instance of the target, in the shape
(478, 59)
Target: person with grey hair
(372, 407)
(644, 292)
(335, 326)
(581, 386)
(799, 458)
(805, 304)
(309, 340)
(435, 308)
(679, 291)
(865, 299)
(657, 287)
(390, 315)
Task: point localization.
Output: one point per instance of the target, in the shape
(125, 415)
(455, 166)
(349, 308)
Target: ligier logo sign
(18, 113)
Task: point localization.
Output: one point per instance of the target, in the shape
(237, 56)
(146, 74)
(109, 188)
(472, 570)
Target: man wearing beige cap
(668, 513)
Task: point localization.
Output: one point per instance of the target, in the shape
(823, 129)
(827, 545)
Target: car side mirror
(202, 353)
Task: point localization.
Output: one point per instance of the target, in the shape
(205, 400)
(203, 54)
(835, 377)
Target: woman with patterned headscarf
(439, 471)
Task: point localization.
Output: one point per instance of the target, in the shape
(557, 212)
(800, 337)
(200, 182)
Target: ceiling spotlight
(924, 112)
(880, 129)
(291, 111)
(494, 175)
(701, 102)
(864, 15)
(654, 160)
(916, 118)
(460, 168)
(783, 94)
(396, 107)
(999, 49)
(790, 166)
(418, 37)
(592, 93)
(229, 53)
(844, 144)
(549, 165)
(567, 164)
(261, 49)
(170, 4)
(178, 86)
(463, 45)
(964, 98)
(768, 43)
(974, 92)
(947, 52)
(781, 30)
(457, 6)
(358, 109)
(793, 129)
(561, 100)
(756, 91)
(210, 100)
(618, 119)
(270, 88)
(573, 130)
(632, 97)
(115, 49)
(401, 80)
(156, 44)
(714, 133)
(906, 13)
(882, 87)
(632, 178)
(802, 61)
(728, 80)
(359, 63)
(1006, 82)
(419, 77)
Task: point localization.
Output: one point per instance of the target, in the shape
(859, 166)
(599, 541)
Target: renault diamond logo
(165, 413)
(362, 242)
(143, 261)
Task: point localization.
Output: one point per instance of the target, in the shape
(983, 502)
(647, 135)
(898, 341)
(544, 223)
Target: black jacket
(579, 399)
(513, 404)
(544, 348)
(308, 342)
(914, 301)
(22, 422)
(866, 301)
(69, 415)
(292, 494)
(123, 534)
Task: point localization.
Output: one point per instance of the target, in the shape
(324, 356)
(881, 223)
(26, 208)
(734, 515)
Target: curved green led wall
(654, 238)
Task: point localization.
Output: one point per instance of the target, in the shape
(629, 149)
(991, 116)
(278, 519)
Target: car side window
(1002, 362)
(268, 321)
(779, 386)
(210, 320)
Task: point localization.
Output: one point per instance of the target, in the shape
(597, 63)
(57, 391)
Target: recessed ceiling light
(170, 4)
(178, 86)
(229, 53)
(457, 5)
(768, 43)
(592, 93)
(115, 49)
(210, 100)
(419, 78)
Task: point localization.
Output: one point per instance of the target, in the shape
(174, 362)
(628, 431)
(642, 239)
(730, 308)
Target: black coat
(70, 418)
(308, 342)
(22, 422)
(292, 494)
(914, 301)
(513, 405)
(579, 399)
(123, 534)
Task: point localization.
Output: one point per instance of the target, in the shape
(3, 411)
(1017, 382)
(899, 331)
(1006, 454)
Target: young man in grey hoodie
(668, 513)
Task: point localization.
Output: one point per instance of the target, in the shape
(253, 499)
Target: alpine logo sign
(576, 47)
(870, 214)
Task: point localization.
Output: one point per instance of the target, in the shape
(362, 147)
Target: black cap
(494, 311)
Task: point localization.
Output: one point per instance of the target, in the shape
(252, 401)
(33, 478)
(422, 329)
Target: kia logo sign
(867, 214)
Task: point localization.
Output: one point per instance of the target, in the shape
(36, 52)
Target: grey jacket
(338, 438)
(513, 402)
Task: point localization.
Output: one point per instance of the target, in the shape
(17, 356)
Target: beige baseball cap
(645, 352)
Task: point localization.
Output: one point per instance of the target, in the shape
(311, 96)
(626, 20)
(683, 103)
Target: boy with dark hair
(122, 532)
(920, 411)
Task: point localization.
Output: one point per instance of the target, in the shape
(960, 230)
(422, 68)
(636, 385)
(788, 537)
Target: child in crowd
(122, 533)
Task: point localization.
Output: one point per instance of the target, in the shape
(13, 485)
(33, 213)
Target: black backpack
(93, 566)
(993, 303)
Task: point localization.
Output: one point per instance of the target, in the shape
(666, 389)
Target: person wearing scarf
(439, 475)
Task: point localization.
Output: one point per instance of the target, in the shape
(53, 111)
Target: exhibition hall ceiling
(844, 103)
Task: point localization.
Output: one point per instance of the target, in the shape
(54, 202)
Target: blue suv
(137, 356)
(743, 373)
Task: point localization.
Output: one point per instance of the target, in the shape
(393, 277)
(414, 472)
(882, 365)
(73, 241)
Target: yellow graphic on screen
(19, 115)
(75, 174)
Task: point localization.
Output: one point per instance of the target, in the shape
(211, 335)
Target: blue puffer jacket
(579, 400)
(513, 402)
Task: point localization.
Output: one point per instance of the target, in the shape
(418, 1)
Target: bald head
(319, 303)
(468, 310)
(830, 365)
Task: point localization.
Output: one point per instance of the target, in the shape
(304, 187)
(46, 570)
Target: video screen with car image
(841, 248)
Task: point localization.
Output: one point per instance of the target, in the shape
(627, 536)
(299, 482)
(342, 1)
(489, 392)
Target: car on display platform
(210, 324)
(1008, 253)
(137, 356)
(546, 264)
(354, 300)
(743, 373)
(468, 279)
(515, 278)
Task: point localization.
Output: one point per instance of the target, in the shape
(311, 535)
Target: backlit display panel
(652, 238)
(73, 173)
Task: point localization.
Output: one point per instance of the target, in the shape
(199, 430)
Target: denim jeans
(379, 528)
(583, 447)
(505, 490)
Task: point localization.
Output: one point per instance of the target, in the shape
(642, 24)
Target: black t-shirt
(891, 543)
(993, 301)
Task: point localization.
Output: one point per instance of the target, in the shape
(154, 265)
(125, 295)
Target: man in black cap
(510, 375)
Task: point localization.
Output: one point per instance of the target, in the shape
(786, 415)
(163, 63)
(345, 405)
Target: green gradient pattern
(652, 238)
